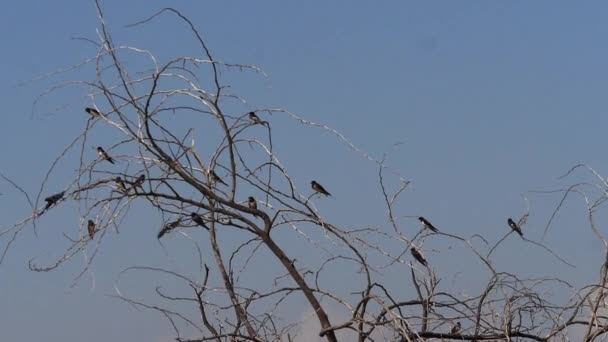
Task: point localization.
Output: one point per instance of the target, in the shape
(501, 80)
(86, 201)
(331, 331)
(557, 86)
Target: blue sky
(489, 100)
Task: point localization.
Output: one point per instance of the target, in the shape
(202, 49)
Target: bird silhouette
(319, 188)
(169, 226)
(428, 224)
(515, 227)
(92, 111)
(216, 178)
(456, 328)
(255, 119)
(120, 184)
(139, 181)
(53, 199)
(418, 256)
(196, 218)
(91, 229)
(252, 203)
(104, 155)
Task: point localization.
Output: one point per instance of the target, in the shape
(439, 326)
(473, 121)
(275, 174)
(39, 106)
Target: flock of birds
(121, 185)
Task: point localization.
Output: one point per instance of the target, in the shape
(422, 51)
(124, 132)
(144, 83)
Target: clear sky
(489, 99)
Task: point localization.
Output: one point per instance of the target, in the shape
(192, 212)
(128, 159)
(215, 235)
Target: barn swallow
(104, 155)
(91, 229)
(319, 188)
(515, 227)
(418, 256)
(196, 218)
(139, 181)
(216, 178)
(53, 199)
(255, 120)
(428, 224)
(168, 227)
(92, 111)
(120, 184)
(456, 328)
(252, 203)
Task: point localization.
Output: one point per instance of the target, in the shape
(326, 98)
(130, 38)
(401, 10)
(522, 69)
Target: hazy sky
(488, 99)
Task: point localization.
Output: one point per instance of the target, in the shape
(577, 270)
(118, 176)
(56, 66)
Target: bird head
(99, 149)
(251, 199)
(91, 222)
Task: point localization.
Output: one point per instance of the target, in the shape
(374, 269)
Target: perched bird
(53, 199)
(515, 227)
(91, 229)
(427, 224)
(139, 181)
(104, 155)
(418, 256)
(255, 120)
(456, 328)
(92, 111)
(196, 218)
(216, 178)
(319, 188)
(120, 184)
(168, 227)
(252, 203)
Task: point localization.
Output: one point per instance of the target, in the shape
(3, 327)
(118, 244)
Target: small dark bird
(120, 184)
(216, 178)
(456, 328)
(92, 111)
(319, 188)
(104, 155)
(91, 229)
(428, 224)
(53, 199)
(418, 256)
(252, 203)
(196, 218)
(139, 181)
(168, 227)
(515, 227)
(255, 120)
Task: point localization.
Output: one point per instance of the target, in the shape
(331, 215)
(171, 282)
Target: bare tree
(240, 187)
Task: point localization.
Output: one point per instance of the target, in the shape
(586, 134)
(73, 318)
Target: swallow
(92, 111)
(196, 218)
(418, 256)
(428, 224)
(120, 184)
(104, 155)
(139, 181)
(319, 188)
(168, 227)
(91, 229)
(515, 227)
(456, 328)
(53, 199)
(255, 120)
(216, 178)
(252, 203)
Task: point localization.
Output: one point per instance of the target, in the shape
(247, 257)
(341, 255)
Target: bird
(92, 111)
(196, 218)
(139, 181)
(319, 188)
(428, 224)
(515, 227)
(120, 184)
(255, 120)
(169, 226)
(456, 328)
(104, 155)
(91, 229)
(418, 256)
(252, 203)
(53, 199)
(216, 178)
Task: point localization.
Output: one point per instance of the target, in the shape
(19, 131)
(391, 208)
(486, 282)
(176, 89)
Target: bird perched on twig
(168, 227)
(515, 227)
(418, 256)
(319, 188)
(120, 184)
(104, 155)
(215, 178)
(91, 229)
(255, 120)
(428, 224)
(456, 328)
(252, 203)
(51, 200)
(139, 181)
(196, 218)
(92, 111)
